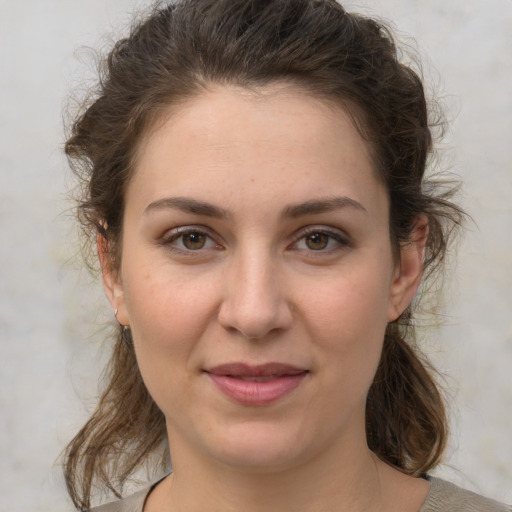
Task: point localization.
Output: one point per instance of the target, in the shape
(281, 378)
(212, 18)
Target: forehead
(230, 138)
(281, 109)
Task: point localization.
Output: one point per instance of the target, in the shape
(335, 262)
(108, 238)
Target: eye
(189, 239)
(317, 239)
(194, 241)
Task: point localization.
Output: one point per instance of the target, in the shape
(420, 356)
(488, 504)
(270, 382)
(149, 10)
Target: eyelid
(336, 234)
(173, 234)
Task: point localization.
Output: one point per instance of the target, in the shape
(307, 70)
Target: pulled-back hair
(175, 53)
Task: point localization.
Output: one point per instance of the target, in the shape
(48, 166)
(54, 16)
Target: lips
(256, 385)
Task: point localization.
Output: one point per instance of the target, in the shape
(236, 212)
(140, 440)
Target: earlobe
(410, 269)
(111, 282)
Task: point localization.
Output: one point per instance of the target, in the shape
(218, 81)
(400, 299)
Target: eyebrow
(203, 208)
(317, 206)
(188, 205)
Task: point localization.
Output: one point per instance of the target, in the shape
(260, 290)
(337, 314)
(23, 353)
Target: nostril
(255, 323)
(254, 304)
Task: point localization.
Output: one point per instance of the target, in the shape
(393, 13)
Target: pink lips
(256, 385)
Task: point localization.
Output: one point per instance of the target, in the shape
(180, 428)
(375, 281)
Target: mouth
(256, 385)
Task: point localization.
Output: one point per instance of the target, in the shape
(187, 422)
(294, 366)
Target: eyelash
(170, 240)
(340, 241)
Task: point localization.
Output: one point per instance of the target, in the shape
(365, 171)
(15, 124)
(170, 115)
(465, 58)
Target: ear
(409, 270)
(111, 281)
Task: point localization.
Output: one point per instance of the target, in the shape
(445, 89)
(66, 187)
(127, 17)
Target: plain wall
(51, 312)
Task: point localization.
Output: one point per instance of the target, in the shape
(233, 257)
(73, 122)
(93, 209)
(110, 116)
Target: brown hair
(176, 52)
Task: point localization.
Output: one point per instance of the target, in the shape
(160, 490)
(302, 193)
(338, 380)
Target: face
(257, 277)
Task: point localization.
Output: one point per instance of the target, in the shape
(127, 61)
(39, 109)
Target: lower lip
(257, 393)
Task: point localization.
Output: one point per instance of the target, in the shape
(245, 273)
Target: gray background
(51, 311)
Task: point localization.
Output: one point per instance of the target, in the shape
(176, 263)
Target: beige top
(442, 497)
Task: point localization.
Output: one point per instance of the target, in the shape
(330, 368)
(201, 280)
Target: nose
(255, 302)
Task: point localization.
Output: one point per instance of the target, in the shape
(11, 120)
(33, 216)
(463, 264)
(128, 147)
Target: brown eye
(317, 241)
(189, 239)
(194, 241)
(323, 240)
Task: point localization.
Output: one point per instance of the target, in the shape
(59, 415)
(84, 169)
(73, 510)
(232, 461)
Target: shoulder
(133, 503)
(442, 497)
(446, 497)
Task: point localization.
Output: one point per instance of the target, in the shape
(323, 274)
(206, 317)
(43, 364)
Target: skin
(266, 280)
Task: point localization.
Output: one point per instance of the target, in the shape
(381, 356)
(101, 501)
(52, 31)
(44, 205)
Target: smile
(256, 385)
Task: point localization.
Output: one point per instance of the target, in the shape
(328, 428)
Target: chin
(259, 448)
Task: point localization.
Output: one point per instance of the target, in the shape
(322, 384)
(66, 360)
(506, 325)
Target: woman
(253, 176)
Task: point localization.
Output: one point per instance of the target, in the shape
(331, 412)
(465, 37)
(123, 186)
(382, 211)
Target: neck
(346, 481)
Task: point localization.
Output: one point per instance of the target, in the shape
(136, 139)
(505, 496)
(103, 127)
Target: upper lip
(260, 370)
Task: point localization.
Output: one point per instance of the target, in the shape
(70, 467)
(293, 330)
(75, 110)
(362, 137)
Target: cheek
(167, 319)
(348, 322)
(352, 305)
